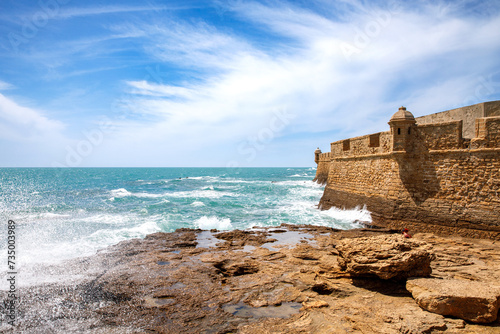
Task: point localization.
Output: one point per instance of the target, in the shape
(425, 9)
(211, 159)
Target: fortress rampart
(439, 172)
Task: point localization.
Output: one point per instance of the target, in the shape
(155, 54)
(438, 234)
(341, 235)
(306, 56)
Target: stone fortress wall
(439, 172)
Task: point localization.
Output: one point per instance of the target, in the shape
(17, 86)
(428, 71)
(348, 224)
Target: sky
(228, 83)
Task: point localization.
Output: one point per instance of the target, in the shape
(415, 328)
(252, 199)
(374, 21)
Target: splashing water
(67, 213)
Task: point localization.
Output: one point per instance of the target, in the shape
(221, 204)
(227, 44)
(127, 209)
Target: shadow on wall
(417, 173)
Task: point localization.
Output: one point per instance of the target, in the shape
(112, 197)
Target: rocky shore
(290, 279)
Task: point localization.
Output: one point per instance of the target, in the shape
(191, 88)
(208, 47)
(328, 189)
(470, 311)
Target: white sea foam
(35, 259)
(54, 215)
(148, 195)
(207, 178)
(298, 183)
(164, 201)
(207, 223)
(232, 180)
(108, 219)
(206, 193)
(197, 203)
(107, 237)
(353, 215)
(120, 193)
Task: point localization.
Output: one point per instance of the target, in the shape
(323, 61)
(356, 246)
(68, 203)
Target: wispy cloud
(400, 62)
(5, 85)
(329, 70)
(67, 12)
(20, 123)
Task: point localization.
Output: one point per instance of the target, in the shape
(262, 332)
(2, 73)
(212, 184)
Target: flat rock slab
(469, 300)
(385, 256)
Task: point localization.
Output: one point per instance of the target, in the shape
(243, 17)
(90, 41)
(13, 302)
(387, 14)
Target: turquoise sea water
(66, 213)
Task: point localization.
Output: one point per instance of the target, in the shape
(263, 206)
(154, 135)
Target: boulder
(385, 256)
(469, 300)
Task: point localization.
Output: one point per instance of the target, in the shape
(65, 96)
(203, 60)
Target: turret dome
(402, 115)
(317, 150)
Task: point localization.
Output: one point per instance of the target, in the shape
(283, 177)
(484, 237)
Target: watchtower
(316, 155)
(402, 124)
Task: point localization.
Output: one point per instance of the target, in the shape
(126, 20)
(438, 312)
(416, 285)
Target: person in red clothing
(405, 233)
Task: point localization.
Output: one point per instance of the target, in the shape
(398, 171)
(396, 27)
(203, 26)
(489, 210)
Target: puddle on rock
(178, 285)
(206, 239)
(246, 248)
(284, 310)
(155, 302)
(163, 263)
(287, 239)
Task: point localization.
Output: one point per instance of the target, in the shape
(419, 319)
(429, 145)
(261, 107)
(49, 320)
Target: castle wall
(444, 188)
(442, 136)
(442, 181)
(492, 131)
(323, 168)
(467, 114)
(370, 144)
(491, 109)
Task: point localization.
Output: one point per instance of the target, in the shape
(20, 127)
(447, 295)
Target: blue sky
(229, 83)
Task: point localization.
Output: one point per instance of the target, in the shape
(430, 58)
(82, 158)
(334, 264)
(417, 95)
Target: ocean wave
(120, 193)
(151, 182)
(197, 203)
(358, 214)
(206, 193)
(207, 223)
(48, 251)
(306, 192)
(108, 219)
(207, 177)
(232, 180)
(109, 237)
(301, 184)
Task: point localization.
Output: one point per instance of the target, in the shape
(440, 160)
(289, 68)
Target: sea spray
(67, 213)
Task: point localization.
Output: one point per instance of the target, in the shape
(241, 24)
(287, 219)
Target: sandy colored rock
(472, 301)
(385, 256)
(165, 284)
(315, 304)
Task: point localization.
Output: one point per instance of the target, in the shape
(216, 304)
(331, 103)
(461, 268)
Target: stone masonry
(439, 172)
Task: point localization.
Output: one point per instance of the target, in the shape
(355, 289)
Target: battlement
(446, 132)
(467, 115)
(441, 170)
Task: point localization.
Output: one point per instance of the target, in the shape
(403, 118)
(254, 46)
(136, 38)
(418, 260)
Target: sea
(65, 213)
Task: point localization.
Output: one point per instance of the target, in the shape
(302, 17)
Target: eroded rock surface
(386, 256)
(469, 300)
(285, 280)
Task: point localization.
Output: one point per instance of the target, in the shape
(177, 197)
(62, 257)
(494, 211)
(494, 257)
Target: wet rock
(472, 301)
(385, 256)
(163, 284)
(239, 238)
(230, 268)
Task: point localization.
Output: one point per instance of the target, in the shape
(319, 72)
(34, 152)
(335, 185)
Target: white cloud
(5, 85)
(18, 123)
(399, 59)
(341, 71)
